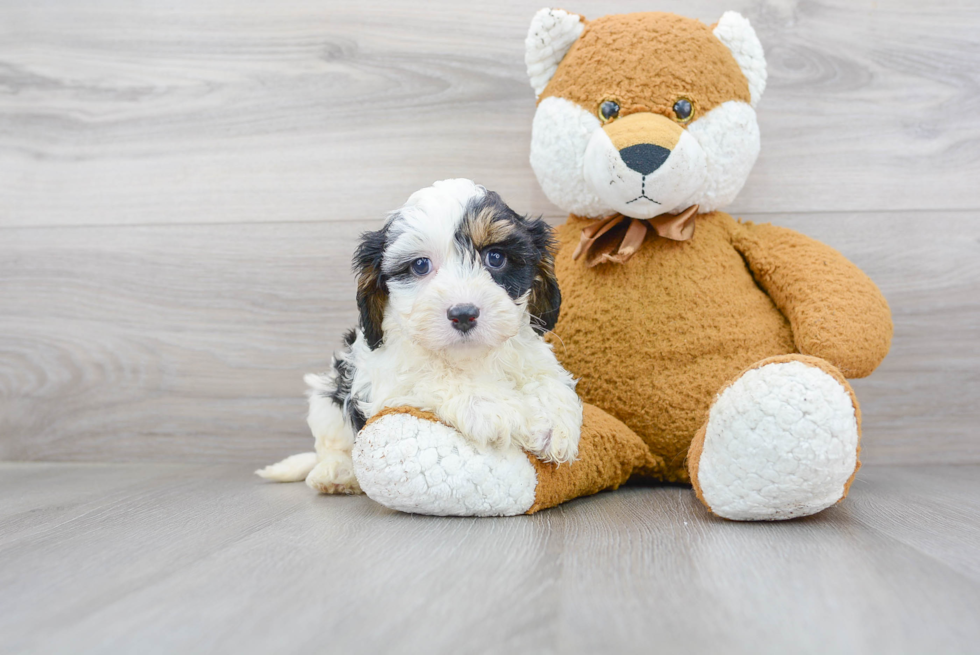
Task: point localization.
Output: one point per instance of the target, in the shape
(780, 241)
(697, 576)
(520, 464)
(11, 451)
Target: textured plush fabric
(657, 339)
(836, 311)
(654, 340)
(609, 454)
(410, 461)
(417, 413)
(672, 57)
(646, 63)
(735, 31)
(552, 33)
(785, 441)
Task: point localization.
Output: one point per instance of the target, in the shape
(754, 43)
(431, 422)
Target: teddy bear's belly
(652, 341)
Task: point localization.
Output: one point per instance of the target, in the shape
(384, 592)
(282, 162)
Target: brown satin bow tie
(615, 239)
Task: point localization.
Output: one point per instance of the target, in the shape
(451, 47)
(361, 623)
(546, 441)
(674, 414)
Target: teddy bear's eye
(683, 110)
(608, 110)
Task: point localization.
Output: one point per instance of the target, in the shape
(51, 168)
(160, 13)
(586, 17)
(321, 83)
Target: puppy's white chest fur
(516, 392)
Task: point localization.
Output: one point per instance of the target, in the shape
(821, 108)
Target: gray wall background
(182, 185)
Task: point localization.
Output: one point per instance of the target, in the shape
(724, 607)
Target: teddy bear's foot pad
(421, 466)
(780, 442)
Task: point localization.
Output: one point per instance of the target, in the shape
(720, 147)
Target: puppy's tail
(320, 382)
(294, 468)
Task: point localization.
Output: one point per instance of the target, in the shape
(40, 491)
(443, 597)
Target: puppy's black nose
(644, 158)
(463, 317)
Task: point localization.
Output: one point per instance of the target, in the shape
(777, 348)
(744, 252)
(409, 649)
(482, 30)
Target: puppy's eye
(683, 110)
(495, 259)
(421, 266)
(608, 110)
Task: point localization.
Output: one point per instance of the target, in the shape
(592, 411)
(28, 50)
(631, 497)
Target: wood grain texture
(190, 558)
(181, 187)
(189, 112)
(166, 343)
(174, 342)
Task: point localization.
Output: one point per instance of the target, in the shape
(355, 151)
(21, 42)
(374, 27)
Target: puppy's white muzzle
(431, 318)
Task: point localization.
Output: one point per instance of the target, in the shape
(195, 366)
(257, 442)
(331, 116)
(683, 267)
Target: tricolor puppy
(454, 293)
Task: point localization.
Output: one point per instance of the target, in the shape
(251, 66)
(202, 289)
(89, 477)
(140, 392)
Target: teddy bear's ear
(552, 33)
(738, 36)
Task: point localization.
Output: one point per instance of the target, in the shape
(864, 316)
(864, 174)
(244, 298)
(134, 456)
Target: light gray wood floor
(191, 558)
(181, 187)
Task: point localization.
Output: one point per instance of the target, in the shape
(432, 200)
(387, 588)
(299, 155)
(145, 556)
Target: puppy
(454, 293)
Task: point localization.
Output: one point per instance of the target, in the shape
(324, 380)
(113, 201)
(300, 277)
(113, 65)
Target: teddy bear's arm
(835, 310)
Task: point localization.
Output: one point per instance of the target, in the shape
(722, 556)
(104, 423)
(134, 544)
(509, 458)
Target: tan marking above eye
(483, 230)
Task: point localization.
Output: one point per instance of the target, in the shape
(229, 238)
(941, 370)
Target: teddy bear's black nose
(463, 317)
(644, 158)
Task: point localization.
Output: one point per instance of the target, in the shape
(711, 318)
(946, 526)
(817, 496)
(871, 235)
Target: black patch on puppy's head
(489, 224)
(372, 287)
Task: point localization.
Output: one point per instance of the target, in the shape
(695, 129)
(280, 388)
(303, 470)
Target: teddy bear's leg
(781, 441)
(410, 461)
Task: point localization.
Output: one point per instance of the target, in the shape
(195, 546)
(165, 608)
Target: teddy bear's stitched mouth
(643, 192)
(642, 197)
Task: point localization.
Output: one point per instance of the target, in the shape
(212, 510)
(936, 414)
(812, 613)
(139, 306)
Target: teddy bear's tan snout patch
(643, 128)
(644, 140)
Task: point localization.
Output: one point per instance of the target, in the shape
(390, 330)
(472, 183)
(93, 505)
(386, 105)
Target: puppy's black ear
(544, 303)
(372, 288)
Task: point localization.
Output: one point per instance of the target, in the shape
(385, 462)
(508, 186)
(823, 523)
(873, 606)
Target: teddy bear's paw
(420, 466)
(780, 442)
(334, 474)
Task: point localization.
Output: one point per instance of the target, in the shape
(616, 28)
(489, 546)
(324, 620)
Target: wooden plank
(177, 343)
(154, 558)
(115, 113)
(941, 523)
(169, 342)
(693, 585)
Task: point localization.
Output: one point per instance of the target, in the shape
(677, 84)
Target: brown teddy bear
(709, 351)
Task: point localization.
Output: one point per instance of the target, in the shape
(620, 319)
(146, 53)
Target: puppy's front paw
(484, 422)
(557, 426)
(334, 474)
(557, 443)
